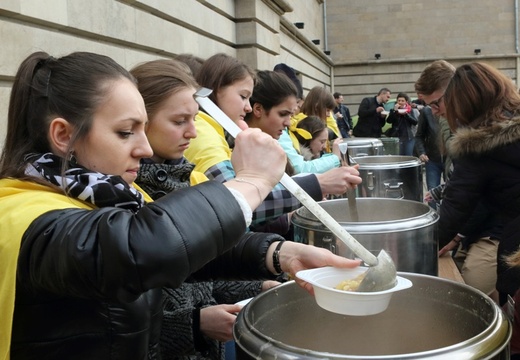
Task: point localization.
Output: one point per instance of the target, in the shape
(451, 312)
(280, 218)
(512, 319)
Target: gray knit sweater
(180, 335)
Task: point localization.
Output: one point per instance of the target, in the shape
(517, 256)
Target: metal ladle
(351, 193)
(381, 274)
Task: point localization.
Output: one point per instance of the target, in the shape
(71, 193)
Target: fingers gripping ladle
(381, 274)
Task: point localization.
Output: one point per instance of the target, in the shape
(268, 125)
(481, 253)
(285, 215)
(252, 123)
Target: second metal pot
(405, 229)
(391, 176)
(358, 146)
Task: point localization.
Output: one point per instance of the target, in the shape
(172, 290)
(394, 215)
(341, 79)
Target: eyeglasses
(436, 103)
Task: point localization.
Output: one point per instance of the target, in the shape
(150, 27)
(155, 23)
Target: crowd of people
(134, 223)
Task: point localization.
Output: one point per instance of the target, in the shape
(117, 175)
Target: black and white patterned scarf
(78, 182)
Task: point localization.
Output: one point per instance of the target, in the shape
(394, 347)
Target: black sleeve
(245, 261)
(462, 193)
(392, 117)
(349, 118)
(480, 221)
(311, 185)
(116, 254)
(421, 134)
(365, 109)
(411, 119)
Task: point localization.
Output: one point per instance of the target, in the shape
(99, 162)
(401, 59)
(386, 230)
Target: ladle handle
(295, 189)
(327, 220)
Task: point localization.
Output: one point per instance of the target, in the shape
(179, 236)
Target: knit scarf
(89, 186)
(160, 179)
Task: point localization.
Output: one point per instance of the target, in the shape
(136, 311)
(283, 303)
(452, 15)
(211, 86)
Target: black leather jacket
(89, 281)
(402, 124)
(427, 138)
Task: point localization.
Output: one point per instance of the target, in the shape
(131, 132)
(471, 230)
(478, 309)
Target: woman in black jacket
(483, 110)
(84, 254)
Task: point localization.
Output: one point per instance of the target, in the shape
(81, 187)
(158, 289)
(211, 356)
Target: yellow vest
(21, 203)
(210, 146)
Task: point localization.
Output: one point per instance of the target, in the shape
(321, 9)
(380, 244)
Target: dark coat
(427, 137)
(370, 122)
(402, 124)
(487, 168)
(89, 281)
(345, 123)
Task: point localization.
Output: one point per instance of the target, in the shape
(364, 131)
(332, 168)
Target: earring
(72, 159)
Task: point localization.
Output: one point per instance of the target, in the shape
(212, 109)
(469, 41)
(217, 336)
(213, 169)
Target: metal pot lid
(363, 142)
(387, 162)
(376, 215)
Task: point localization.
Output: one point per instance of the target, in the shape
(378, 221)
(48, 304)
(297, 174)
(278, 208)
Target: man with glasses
(432, 82)
(430, 88)
(431, 85)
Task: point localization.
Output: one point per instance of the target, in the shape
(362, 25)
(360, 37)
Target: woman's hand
(216, 322)
(259, 163)
(258, 155)
(266, 285)
(424, 158)
(338, 180)
(428, 197)
(335, 147)
(296, 256)
(453, 244)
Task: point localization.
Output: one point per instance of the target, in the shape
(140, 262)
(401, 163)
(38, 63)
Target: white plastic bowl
(244, 302)
(401, 111)
(325, 279)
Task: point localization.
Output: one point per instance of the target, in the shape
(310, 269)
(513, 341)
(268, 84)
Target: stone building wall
(407, 33)
(259, 32)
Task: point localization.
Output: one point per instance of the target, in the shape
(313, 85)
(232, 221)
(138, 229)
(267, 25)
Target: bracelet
(276, 258)
(244, 206)
(242, 180)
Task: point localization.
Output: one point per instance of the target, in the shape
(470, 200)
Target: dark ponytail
(71, 87)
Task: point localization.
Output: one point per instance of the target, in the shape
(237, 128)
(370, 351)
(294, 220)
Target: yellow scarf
(293, 130)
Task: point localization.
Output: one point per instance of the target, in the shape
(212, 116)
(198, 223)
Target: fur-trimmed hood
(470, 141)
(306, 153)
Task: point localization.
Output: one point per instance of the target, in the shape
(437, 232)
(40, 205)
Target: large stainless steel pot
(405, 229)
(358, 146)
(434, 319)
(390, 176)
